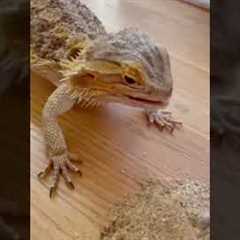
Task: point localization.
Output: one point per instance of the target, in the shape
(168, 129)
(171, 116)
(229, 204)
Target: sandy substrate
(162, 212)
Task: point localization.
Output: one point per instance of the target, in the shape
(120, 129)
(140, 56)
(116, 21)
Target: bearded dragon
(90, 67)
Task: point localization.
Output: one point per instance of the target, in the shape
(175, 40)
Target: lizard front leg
(59, 158)
(162, 119)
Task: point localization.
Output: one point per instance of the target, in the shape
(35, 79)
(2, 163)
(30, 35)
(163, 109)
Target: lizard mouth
(147, 101)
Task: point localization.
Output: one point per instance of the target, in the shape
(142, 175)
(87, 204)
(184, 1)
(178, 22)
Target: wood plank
(117, 147)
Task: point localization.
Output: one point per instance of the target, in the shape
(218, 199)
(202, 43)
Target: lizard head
(125, 67)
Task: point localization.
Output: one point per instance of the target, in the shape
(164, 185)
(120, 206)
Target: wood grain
(205, 4)
(117, 147)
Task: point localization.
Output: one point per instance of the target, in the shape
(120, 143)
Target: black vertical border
(225, 120)
(15, 119)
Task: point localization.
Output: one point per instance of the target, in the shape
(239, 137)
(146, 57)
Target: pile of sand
(161, 212)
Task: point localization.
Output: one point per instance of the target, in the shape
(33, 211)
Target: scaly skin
(68, 42)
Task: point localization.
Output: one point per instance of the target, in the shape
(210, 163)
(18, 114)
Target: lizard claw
(60, 165)
(46, 171)
(163, 120)
(52, 191)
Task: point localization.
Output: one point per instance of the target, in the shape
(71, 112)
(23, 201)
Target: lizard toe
(72, 167)
(46, 171)
(67, 178)
(163, 120)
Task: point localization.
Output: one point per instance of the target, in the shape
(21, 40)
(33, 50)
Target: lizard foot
(61, 164)
(163, 120)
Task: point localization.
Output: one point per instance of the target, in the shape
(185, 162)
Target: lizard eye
(129, 80)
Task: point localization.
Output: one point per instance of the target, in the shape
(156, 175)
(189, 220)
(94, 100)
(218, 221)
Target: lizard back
(56, 25)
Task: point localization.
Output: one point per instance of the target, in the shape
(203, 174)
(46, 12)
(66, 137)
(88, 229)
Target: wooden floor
(117, 147)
